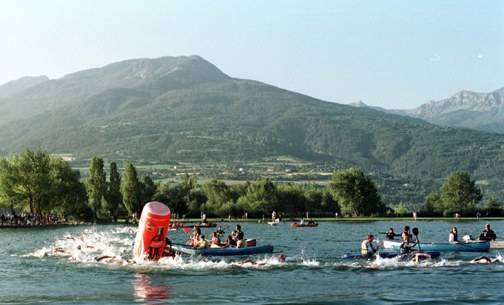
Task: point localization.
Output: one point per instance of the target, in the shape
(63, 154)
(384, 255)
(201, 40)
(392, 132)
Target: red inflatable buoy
(150, 239)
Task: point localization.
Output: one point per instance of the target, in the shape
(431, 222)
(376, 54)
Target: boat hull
(498, 244)
(230, 251)
(473, 246)
(433, 254)
(304, 225)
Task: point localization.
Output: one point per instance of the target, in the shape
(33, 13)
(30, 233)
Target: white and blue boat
(228, 251)
(469, 246)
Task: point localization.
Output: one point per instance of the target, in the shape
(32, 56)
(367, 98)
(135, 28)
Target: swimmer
(484, 260)
(113, 260)
(281, 259)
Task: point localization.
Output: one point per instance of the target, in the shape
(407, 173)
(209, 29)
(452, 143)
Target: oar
(415, 232)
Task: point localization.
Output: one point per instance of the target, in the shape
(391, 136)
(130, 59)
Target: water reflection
(147, 291)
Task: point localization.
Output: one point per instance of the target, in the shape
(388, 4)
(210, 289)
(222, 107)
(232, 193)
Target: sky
(393, 54)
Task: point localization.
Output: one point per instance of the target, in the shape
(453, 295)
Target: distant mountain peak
(359, 103)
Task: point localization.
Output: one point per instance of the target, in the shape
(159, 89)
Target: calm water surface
(34, 272)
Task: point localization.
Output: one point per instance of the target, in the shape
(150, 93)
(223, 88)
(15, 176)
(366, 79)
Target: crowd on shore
(27, 219)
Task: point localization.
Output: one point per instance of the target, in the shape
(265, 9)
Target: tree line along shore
(46, 187)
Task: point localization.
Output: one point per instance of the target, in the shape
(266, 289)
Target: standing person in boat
(453, 237)
(488, 234)
(367, 247)
(406, 235)
(408, 243)
(391, 234)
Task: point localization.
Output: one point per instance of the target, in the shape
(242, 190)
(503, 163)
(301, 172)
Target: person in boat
(407, 236)
(274, 216)
(484, 260)
(195, 236)
(453, 237)
(219, 231)
(215, 241)
(488, 233)
(391, 234)
(311, 222)
(408, 243)
(202, 243)
(238, 237)
(367, 247)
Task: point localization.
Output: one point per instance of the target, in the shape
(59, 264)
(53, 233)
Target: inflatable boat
(433, 254)
(470, 246)
(150, 239)
(229, 251)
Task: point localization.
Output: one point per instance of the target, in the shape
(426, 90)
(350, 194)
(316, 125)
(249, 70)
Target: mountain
(465, 109)
(186, 109)
(481, 111)
(11, 88)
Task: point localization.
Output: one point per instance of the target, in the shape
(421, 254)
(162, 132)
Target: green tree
(114, 196)
(356, 193)
(25, 181)
(259, 198)
(493, 207)
(130, 190)
(147, 190)
(96, 186)
(69, 195)
(459, 194)
(38, 183)
(218, 194)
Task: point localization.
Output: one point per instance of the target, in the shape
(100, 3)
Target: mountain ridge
(197, 113)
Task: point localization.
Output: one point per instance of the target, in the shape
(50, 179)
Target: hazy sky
(395, 54)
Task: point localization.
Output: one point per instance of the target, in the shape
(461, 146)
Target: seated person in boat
(202, 243)
(219, 231)
(215, 242)
(311, 222)
(195, 236)
(367, 247)
(453, 237)
(488, 233)
(391, 234)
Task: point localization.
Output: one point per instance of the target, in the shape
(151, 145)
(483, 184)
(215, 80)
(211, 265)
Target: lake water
(34, 272)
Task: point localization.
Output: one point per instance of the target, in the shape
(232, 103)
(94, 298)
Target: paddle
(415, 232)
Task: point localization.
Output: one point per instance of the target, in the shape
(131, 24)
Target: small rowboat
(229, 251)
(303, 225)
(470, 246)
(390, 255)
